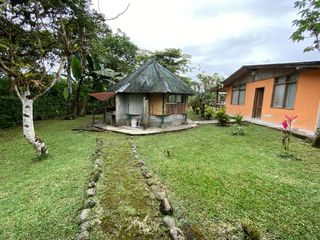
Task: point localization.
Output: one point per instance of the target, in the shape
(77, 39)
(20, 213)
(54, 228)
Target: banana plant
(88, 70)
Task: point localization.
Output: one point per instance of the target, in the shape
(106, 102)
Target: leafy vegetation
(237, 129)
(173, 59)
(308, 24)
(209, 113)
(206, 92)
(222, 117)
(213, 177)
(238, 118)
(48, 106)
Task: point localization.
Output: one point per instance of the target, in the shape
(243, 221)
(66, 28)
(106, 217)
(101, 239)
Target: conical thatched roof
(151, 78)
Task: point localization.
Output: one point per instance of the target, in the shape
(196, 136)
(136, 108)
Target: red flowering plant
(287, 130)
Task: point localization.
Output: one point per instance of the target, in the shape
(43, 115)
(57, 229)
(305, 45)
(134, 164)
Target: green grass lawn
(41, 199)
(193, 116)
(214, 177)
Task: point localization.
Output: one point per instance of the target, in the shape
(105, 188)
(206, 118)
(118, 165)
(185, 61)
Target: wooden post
(145, 111)
(104, 112)
(162, 116)
(92, 112)
(185, 108)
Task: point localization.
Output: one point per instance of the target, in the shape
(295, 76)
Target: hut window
(238, 94)
(284, 91)
(172, 99)
(179, 98)
(175, 98)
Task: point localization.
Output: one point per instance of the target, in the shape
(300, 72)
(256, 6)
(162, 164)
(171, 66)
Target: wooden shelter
(150, 96)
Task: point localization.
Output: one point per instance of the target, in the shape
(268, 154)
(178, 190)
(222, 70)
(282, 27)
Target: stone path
(130, 211)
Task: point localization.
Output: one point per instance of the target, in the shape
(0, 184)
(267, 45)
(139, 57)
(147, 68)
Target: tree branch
(17, 91)
(6, 69)
(57, 78)
(118, 15)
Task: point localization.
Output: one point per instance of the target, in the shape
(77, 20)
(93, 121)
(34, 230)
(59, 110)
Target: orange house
(263, 94)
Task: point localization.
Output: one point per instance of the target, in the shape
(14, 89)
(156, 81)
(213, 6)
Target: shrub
(197, 110)
(238, 118)
(287, 131)
(209, 113)
(237, 130)
(10, 114)
(222, 117)
(50, 105)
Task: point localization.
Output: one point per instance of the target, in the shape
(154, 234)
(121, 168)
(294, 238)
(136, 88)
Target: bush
(50, 105)
(237, 130)
(197, 110)
(209, 113)
(238, 118)
(10, 114)
(222, 117)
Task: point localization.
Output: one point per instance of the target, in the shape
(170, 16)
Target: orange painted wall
(306, 104)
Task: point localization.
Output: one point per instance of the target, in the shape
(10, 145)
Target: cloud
(221, 36)
(262, 47)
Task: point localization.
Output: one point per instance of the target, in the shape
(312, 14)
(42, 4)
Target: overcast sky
(221, 35)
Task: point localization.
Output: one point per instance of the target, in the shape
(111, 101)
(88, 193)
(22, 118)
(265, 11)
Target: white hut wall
(122, 104)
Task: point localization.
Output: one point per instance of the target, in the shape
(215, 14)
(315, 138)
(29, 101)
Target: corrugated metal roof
(151, 78)
(247, 68)
(102, 96)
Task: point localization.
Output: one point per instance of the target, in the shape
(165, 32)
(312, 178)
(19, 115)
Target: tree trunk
(217, 99)
(69, 78)
(84, 108)
(28, 127)
(77, 99)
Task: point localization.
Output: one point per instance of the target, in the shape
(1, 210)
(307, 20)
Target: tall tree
(207, 91)
(173, 59)
(308, 26)
(29, 51)
(117, 52)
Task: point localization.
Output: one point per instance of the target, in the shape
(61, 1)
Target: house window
(238, 94)
(284, 91)
(175, 98)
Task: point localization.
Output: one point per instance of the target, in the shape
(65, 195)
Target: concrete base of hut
(140, 131)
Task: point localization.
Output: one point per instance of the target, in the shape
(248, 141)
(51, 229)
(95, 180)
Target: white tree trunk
(28, 127)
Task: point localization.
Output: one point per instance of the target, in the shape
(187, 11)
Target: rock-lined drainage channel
(159, 191)
(89, 216)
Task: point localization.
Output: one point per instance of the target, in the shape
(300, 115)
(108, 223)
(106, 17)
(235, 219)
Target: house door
(257, 105)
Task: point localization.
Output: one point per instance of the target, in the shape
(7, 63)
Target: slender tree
(29, 52)
(207, 90)
(308, 27)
